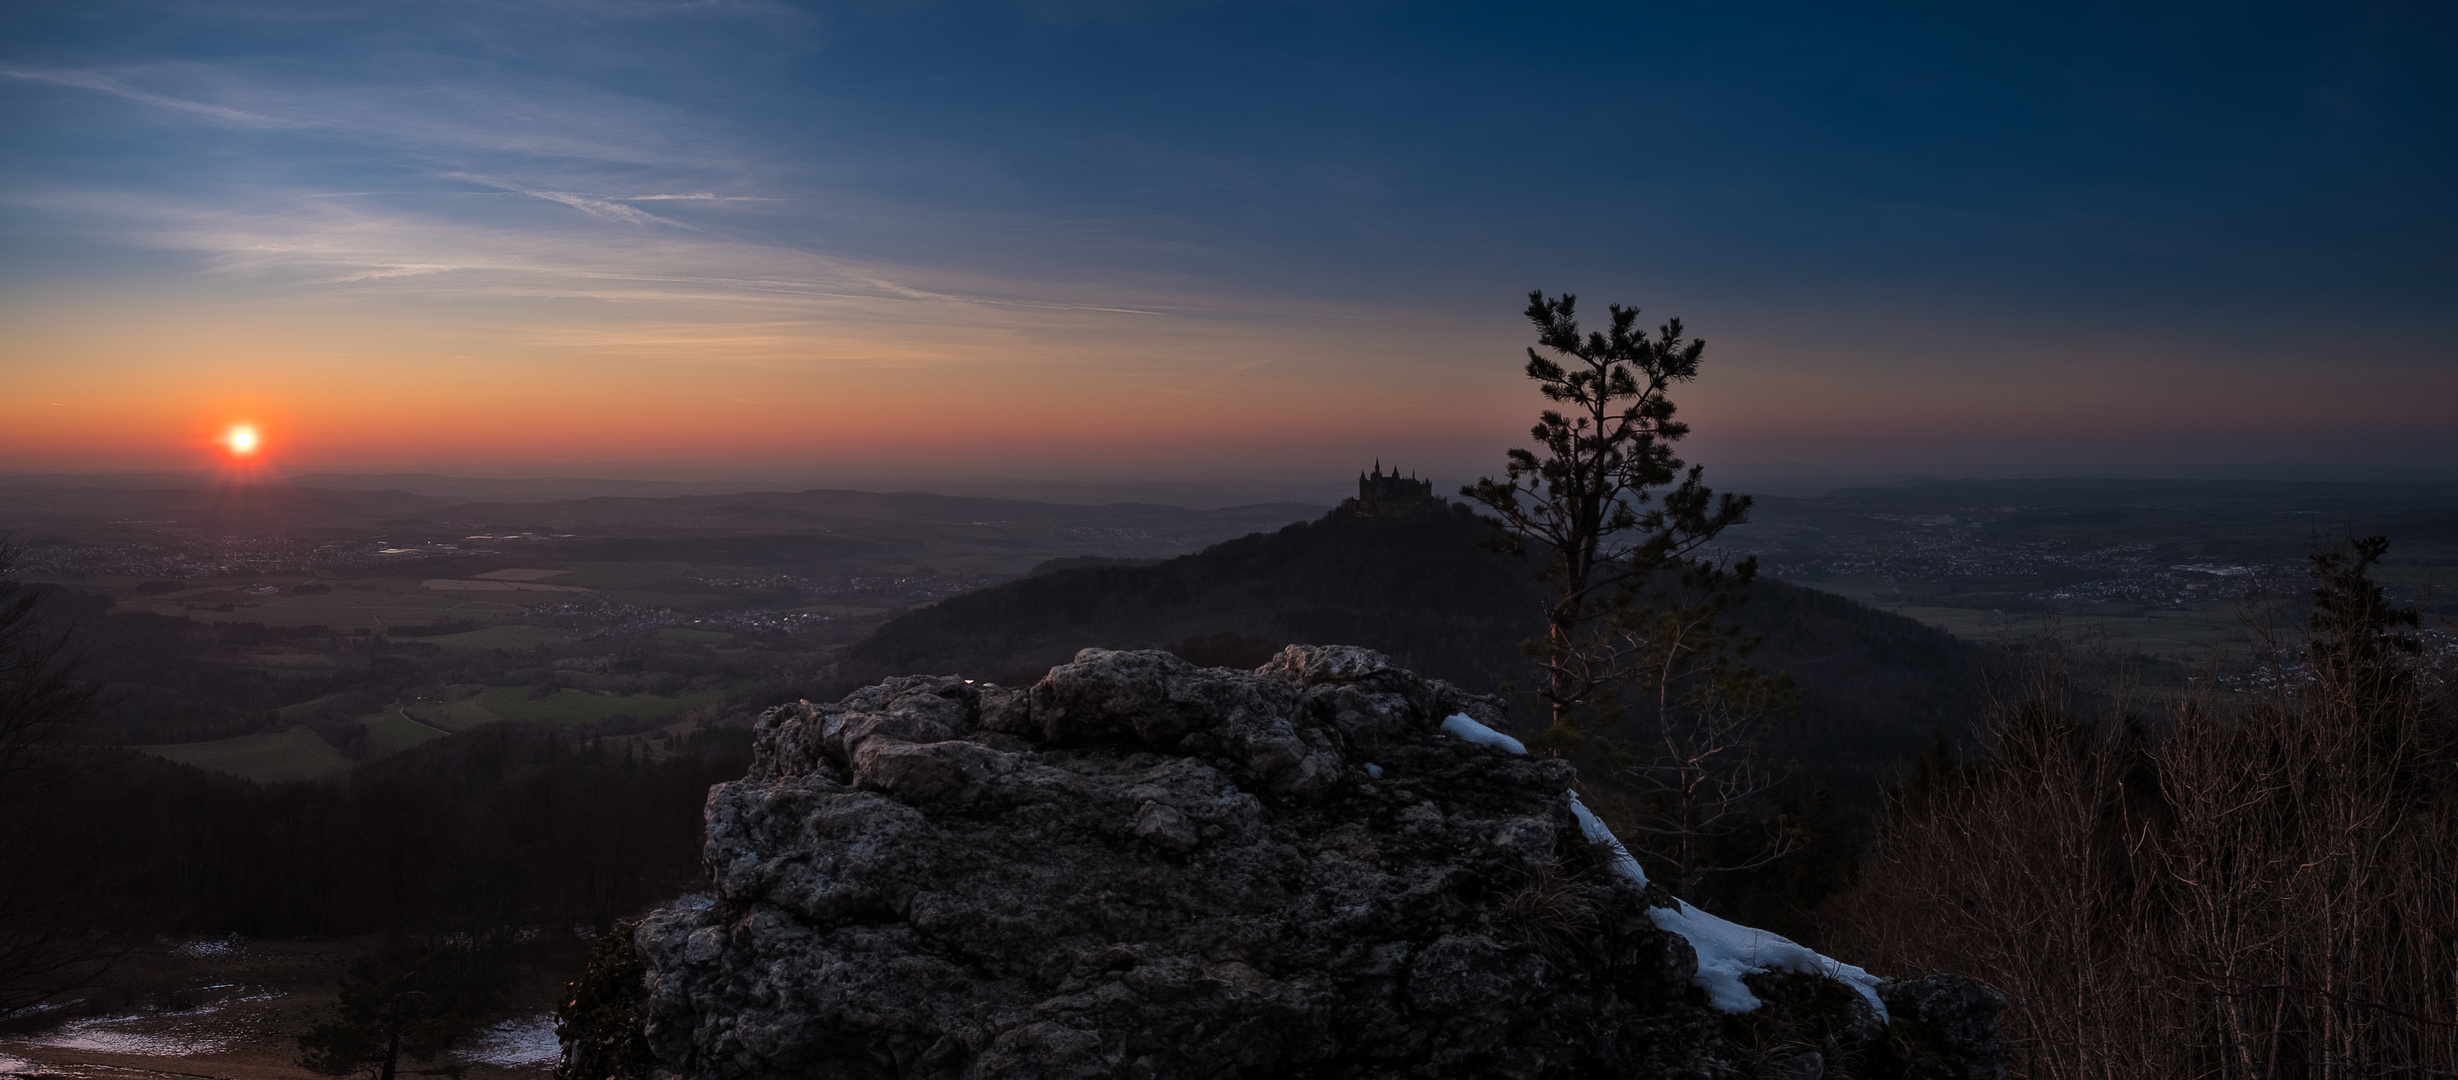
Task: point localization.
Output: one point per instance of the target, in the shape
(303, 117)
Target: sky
(1065, 239)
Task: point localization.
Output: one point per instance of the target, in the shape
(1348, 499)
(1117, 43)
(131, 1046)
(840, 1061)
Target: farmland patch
(519, 575)
(514, 636)
(391, 732)
(476, 585)
(568, 706)
(268, 758)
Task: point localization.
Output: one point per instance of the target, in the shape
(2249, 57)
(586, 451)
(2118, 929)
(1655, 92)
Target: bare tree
(2011, 869)
(2270, 891)
(1696, 713)
(2311, 867)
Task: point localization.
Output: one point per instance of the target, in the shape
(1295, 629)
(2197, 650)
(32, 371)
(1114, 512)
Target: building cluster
(1393, 495)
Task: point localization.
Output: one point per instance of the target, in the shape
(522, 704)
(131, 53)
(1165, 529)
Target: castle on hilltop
(1393, 495)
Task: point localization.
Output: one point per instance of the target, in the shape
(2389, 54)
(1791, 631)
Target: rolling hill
(1875, 684)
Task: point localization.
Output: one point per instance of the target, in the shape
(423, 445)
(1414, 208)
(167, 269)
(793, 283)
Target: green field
(565, 706)
(2214, 631)
(2198, 632)
(282, 659)
(514, 636)
(651, 576)
(272, 757)
(460, 710)
(389, 732)
(365, 603)
(305, 710)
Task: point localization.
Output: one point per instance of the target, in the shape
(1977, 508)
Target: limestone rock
(1946, 1028)
(1140, 868)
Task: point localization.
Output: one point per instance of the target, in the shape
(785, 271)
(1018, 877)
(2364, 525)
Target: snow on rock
(1596, 833)
(1464, 728)
(1727, 950)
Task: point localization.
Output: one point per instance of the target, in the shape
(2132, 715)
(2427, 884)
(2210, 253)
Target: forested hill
(1875, 684)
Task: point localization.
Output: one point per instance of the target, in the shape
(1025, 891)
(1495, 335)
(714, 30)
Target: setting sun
(241, 439)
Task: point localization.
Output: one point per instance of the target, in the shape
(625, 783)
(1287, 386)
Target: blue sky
(1245, 237)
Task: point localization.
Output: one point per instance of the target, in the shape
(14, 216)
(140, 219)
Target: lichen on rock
(1141, 868)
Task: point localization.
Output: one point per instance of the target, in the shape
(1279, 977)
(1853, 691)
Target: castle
(1379, 495)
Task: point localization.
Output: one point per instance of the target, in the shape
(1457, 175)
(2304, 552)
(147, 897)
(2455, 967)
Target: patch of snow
(1596, 833)
(1727, 950)
(38, 1009)
(1466, 729)
(101, 1035)
(525, 1042)
(228, 946)
(1374, 770)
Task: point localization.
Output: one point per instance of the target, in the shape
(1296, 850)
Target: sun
(242, 440)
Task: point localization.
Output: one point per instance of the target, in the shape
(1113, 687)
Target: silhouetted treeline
(504, 827)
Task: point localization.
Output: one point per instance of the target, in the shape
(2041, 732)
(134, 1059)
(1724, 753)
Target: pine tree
(1608, 505)
(411, 1002)
(603, 1024)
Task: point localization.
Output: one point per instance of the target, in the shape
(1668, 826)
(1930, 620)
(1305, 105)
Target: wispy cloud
(108, 84)
(613, 211)
(596, 221)
(671, 299)
(437, 112)
(308, 247)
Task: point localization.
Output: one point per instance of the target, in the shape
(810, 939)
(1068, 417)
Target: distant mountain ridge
(1425, 593)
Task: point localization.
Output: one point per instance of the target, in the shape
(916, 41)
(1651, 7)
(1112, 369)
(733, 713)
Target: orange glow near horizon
(259, 389)
(166, 385)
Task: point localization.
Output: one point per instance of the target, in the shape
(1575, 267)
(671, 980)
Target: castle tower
(1381, 494)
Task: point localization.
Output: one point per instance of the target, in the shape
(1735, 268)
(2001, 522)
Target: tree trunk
(392, 1042)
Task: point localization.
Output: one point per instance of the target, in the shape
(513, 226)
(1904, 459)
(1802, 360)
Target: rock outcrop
(1327, 867)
